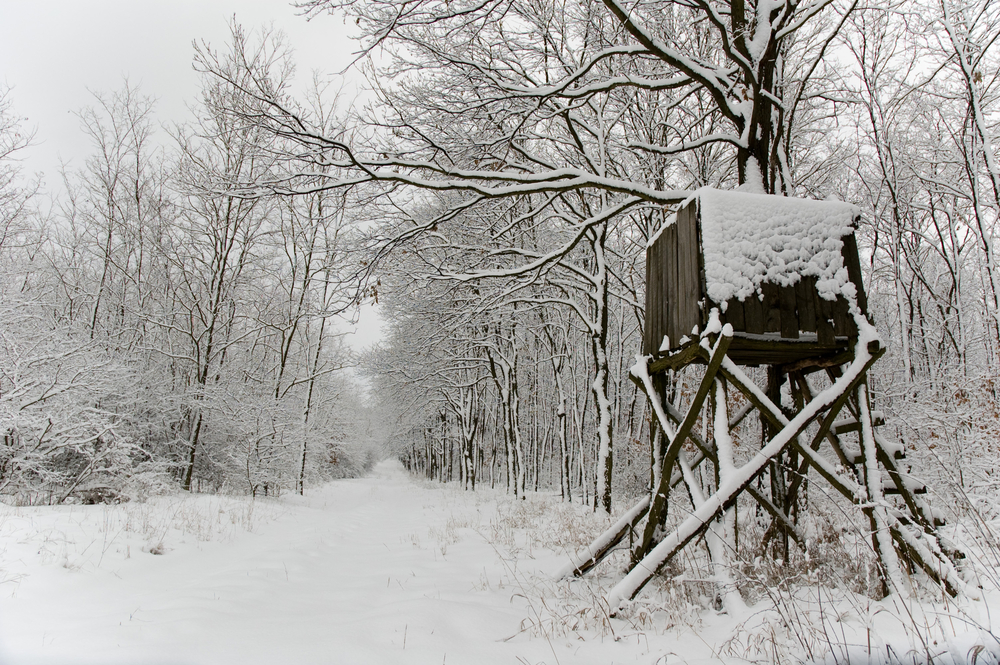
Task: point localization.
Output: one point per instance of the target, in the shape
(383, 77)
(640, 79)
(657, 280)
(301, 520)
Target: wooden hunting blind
(777, 312)
(738, 279)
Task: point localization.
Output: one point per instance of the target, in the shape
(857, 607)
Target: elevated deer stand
(748, 280)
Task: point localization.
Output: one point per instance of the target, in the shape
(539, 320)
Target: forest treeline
(515, 317)
(157, 334)
(494, 191)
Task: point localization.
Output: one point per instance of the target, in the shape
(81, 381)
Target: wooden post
(658, 504)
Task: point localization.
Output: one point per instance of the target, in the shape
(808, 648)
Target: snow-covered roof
(749, 239)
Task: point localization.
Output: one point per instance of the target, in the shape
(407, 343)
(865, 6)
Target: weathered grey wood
(751, 350)
(918, 509)
(753, 311)
(789, 318)
(805, 303)
(690, 353)
(661, 302)
(612, 537)
(706, 451)
(940, 570)
(658, 506)
(795, 330)
(696, 524)
(676, 300)
(816, 363)
(853, 264)
(843, 322)
(664, 297)
(824, 328)
(702, 284)
(671, 286)
(799, 355)
(653, 297)
(772, 308)
(734, 314)
(689, 286)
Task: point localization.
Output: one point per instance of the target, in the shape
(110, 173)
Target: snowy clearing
(383, 569)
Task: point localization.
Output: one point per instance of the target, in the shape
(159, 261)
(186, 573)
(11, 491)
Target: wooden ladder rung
(845, 425)
(889, 487)
(854, 456)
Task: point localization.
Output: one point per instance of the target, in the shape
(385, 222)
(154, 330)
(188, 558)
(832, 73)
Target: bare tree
(15, 193)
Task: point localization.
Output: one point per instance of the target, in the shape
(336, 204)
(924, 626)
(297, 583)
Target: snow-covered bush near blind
(950, 428)
(815, 607)
(958, 425)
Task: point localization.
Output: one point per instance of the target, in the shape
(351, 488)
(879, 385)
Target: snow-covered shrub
(953, 430)
(59, 392)
(146, 483)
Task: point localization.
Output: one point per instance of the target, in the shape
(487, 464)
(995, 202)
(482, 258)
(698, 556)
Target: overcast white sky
(53, 53)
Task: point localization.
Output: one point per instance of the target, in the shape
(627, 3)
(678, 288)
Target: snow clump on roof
(749, 239)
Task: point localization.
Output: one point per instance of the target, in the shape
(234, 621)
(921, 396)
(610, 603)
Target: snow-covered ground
(383, 569)
(374, 570)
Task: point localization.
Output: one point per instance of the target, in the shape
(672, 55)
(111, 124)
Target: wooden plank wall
(656, 296)
(790, 310)
(673, 282)
(675, 285)
(852, 261)
(689, 284)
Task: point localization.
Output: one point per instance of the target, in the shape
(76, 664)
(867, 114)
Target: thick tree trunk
(193, 448)
(599, 343)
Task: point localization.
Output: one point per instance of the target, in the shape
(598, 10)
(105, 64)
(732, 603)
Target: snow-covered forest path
(388, 569)
(380, 569)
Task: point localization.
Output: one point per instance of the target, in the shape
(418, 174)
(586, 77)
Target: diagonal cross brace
(765, 503)
(591, 555)
(923, 549)
(699, 519)
(658, 504)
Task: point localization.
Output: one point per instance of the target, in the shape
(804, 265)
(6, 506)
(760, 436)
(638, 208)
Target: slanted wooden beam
(924, 550)
(764, 502)
(741, 478)
(658, 505)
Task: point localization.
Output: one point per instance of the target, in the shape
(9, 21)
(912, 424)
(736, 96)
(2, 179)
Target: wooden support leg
(870, 498)
(877, 508)
(598, 550)
(742, 477)
(776, 470)
(920, 513)
(657, 433)
(764, 501)
(802, 467)
(722, 543)
(923, 550)
(587, 558)
(919, 510)
(658, 504)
